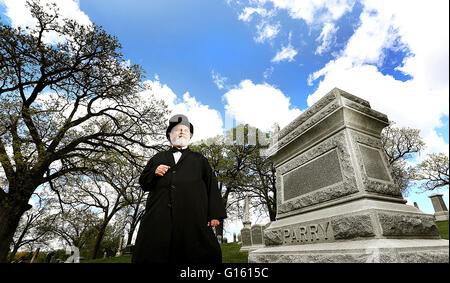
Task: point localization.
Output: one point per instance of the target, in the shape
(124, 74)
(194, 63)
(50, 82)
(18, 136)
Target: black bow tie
(176, 149)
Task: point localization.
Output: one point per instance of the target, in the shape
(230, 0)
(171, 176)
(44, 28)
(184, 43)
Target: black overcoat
(179, 206)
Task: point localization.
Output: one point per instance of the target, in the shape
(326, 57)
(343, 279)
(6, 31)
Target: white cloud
(266, 31)
(287, 53)
(327, 37)
(218, 79)
(248, 12)
(260, 105)
(268, 72)
(417, 103)
(207, 122)
(20, 15)
(312, 11)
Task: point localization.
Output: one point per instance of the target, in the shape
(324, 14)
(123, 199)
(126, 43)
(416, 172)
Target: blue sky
(266, 61)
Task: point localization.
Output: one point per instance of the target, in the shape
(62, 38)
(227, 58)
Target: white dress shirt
(177, 155)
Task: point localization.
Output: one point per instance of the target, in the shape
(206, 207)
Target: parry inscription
(310, 233)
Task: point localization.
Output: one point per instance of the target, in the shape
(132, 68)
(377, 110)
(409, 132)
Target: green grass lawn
(443, 228)
(231, 254)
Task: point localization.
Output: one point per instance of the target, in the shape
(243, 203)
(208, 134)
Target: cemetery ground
(231, 254)
(230, 251)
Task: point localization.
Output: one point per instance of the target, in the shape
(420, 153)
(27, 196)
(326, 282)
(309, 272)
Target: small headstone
(246, 238)
(234, 237)
(257, 235)
(440, 209)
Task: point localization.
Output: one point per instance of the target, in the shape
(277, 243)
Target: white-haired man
(183, 204)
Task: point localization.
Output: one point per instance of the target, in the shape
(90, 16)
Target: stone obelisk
(246, 236)
(247, 223)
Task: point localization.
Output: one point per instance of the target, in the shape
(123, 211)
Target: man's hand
(214, 223)
(161, 170)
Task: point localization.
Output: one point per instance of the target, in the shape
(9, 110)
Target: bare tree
(62, 105)
(33, 227)
(400, 144)
(74, 226)
(433, 171)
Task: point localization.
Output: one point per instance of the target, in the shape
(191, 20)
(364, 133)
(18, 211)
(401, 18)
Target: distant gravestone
(440, 209)
(336, 198)
(234, 237)
(246, 237)
(128, 250)
(257, 235)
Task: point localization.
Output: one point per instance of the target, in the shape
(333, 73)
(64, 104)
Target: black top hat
(179, 119)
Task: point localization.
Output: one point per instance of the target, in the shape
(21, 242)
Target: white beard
(180, 141)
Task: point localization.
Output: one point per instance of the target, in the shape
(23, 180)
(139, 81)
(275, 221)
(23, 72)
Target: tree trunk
(13, 253)
(98, 241)
(130, 234)
(10, 212)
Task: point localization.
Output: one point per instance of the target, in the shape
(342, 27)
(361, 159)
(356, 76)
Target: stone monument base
(251, 248)
(358, 251)
(360, 230)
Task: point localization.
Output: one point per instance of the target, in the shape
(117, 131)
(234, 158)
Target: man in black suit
(183, 204)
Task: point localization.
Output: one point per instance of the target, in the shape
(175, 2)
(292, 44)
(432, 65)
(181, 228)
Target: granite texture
(246, 237)
(273, 237)
(350, 227)
(417, 256)
(367, 110)
(346, 187)
(304, 179)
(396, 224)
(424, 257)
(311, 111)
(369, 184)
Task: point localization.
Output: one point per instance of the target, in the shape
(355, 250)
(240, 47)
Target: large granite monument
(336, 199)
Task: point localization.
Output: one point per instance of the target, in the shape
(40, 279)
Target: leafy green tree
(62, 105)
